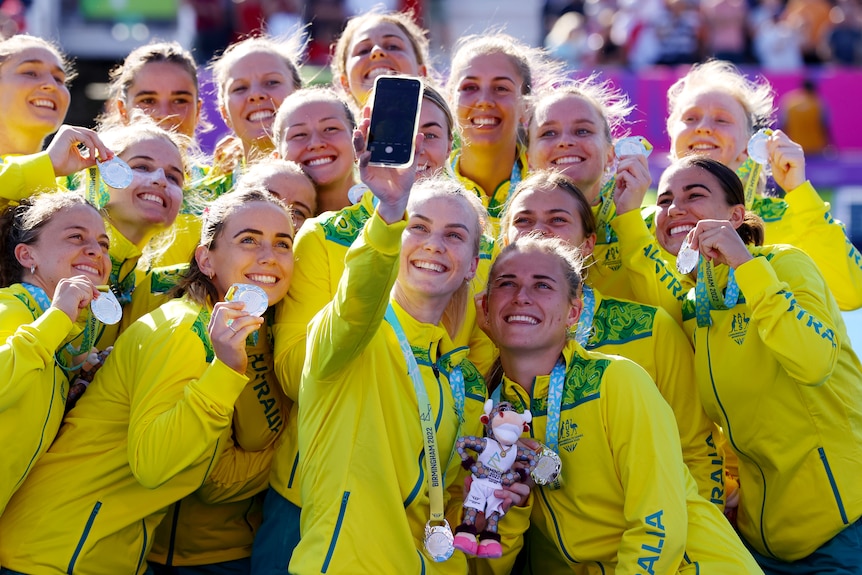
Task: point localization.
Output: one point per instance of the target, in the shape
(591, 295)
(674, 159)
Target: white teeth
(320, 161)
(87, 269)
(260, 115)
(522, 319)
(42, 103)
(486, 121)
(430, 266)
(568, 160)
(703, 147)
(152, 198)
(262, 279)
(379, 72)
(680, 229)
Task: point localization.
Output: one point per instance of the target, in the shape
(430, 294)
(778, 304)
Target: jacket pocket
(341, 512)
(84, 536)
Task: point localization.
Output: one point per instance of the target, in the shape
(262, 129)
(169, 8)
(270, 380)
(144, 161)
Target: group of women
(705, 410)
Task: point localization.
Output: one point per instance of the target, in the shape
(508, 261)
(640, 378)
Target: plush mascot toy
(492, 469)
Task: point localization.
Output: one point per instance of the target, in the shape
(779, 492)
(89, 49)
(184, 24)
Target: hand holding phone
(396, 101)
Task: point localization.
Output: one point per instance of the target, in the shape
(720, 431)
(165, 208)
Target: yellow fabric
(363, 481)
(651, 338)
(147, 433)
(777, 373)
(33, 387)
(627, 501)
(320, 248)
(23, 176)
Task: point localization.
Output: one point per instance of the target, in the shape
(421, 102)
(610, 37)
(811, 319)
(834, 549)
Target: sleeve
(653, 280)
(238, 475)
(261, 410)
(28, 348)
(310, 290)
(23, 176)
(824, 239)
(340, 332)
(676, 381)
(170, 432)
(789, 304)
(645, 445)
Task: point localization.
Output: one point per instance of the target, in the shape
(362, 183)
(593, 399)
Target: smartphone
(394, 120)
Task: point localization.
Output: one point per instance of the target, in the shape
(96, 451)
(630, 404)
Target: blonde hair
(755, 96)
(19, 42)
(300, 97)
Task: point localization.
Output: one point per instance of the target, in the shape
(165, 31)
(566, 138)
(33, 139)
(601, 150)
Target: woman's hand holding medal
(74, 294)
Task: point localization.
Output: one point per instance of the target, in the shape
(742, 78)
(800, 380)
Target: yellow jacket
(146, 434)
(23, 176)
(651, 338)
(33, 387)
(627, 503)
(363, 478)
(198, 532)
(320, 248)
(777, 373)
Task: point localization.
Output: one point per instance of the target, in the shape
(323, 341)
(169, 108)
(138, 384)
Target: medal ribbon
(89, 329)
(750, 170)
(585, 323)
(606, 211)
(708, 295)
(426, 417)
(554, 405)
(495, 207)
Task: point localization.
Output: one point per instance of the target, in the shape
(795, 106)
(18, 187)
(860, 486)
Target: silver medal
(439, 541)
(115, 173)
(548, 467)
(631, 146)
(355, 193)
(687, 258)
(106, 308)
(757, 149)
(254, 298)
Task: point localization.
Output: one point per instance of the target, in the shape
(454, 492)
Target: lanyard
(426, 416)
(707, 294)
(750, 170)
(554, 405)
(606, 212)
(585, 323)
(89, 329)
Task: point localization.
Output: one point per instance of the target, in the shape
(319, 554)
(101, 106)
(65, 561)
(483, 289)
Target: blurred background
(810, 50)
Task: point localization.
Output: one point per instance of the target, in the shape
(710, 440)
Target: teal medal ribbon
(438, 538)
(707, 294)
(89, 332)
(606, 211)
(588, 312)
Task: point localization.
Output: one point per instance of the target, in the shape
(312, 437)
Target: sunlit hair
(751, 230)
(304, 96)
(611, 104)
(15, 44)
(755, 96)
(289, 49)
(417, 36)
(195, 283)
(123, 76)
(434, 187)
(23, 224)
(258, 174)
(548, 181)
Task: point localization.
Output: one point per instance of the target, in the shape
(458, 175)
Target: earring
(32, 269)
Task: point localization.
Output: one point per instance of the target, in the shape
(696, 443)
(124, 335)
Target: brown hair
(23, 224)
(300, 97)
(15, 44)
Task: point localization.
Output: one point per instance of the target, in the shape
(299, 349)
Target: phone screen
(394, 120)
